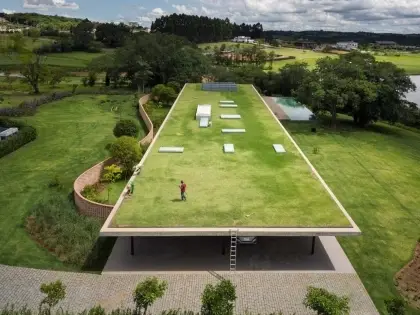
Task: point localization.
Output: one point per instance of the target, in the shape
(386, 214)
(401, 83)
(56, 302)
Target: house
(305, 44)
(347, 45)
(243, 39)
(6, 133)
(385, 43)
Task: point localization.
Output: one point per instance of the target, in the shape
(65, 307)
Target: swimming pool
(293, 109)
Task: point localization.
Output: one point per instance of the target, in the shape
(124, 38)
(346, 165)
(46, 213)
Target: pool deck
(275, 108)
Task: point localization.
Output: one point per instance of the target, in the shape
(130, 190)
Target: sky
(399, 16)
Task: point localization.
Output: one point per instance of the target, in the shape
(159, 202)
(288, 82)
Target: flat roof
(254, 190)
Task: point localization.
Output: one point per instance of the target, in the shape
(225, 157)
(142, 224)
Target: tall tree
(83, 35)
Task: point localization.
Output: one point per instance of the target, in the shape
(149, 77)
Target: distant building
(243, 39)
(305, 44)
(347, 45)
(6, 133)
(386, 43)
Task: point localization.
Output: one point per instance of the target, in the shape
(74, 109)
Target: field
(72, 136)
(373, 174)
(408, 61)
(254, 187)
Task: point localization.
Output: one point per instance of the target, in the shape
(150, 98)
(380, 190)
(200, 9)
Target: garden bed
(407, 280)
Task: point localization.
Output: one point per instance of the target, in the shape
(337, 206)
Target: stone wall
(93, 174)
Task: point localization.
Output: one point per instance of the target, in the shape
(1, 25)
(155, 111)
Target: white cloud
(339, 15)
(47, 4)
(6, 11)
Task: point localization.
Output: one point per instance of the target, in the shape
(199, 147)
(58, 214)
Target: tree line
(203, 29)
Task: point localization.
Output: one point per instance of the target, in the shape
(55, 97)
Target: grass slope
(374, 175)
(252, 187)
(72, 135)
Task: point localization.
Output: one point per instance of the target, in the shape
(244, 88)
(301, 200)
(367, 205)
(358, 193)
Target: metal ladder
(233, 246)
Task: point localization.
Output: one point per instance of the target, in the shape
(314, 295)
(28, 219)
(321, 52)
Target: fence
(219, 86)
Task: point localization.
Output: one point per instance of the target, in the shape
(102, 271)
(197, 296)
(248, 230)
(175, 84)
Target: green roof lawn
(253, 187)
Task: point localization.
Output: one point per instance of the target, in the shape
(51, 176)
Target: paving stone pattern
(259, 292)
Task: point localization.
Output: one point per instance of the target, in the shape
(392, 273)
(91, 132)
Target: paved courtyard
(259, 292)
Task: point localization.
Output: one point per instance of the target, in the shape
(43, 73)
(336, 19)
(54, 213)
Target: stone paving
(258, 292)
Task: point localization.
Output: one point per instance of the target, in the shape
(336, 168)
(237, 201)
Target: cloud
(336, 15)
(146, 20)
(49, 4)
(6, 11)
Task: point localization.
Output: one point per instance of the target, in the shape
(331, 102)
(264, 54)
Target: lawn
(374, 174)
(253, 187)
(407, 61)
(72, 135)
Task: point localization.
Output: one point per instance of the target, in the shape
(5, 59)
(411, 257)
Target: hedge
(25, 135)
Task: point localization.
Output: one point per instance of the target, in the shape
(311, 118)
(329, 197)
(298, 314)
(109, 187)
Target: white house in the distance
(243, 39)
(347, 45)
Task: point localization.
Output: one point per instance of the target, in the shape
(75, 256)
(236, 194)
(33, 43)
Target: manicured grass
(409, 62)
(252, 187)
(114, 193)
(72, 135)
(374, 173)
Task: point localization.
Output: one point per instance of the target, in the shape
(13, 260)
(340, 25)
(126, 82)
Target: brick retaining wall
(93, 174)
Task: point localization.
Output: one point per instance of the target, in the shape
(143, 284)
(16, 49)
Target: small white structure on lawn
(230, 116)
(279, 148)
(203, 111)
(7, 133)
(228, 105)
(228, 148)
(204, 122)
(233, 130)
(227, 102)
(171, 149)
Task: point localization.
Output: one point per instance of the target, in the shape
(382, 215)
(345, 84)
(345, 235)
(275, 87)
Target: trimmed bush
(126, 152)
(25, 135)
(395, 306)
(126, 127)
(326, 303)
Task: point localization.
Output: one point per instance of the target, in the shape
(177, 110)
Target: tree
(291, 77)
(55, 292)
(126, 127)
(142, 74)
(147, 292)
(83, 35)
(31, 63)
(271, 56)
(395, 306)
(126, 151)
(112, 173)
(164, 94)
(175, 85)
(56, 76)
(218, 299)
(91, 78)
(326, 303)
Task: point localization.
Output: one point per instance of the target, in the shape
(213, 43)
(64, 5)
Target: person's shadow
(176, 200)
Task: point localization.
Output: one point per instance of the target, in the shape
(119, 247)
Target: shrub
(395, 306)
(25, 135)
(85, 81)
(27, 108)
(126, 128)
(164, 94)
(91, 192)
(326, 303)
(55, 292)
(147, 292)
(92, 79)
(175, 86)
(126, 151)
(56, 225)
(55, 183)
(111, 174)
(218, 299)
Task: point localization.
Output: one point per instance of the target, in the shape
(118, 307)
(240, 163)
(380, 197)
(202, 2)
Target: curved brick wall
(93, 175)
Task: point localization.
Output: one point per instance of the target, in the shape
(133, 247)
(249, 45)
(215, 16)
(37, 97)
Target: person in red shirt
(183, 188)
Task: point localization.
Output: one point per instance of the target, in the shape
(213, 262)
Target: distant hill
(41, 21)
(325, 37)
